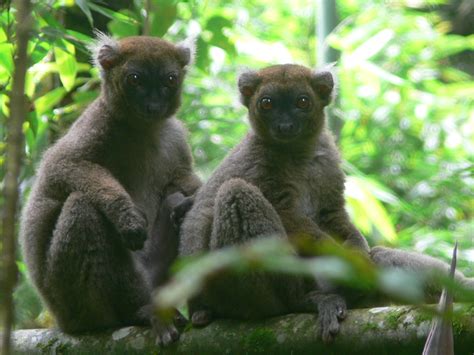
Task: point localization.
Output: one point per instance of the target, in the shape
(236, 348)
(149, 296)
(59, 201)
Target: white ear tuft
(325, 80)
(102, 41)
(187, 50)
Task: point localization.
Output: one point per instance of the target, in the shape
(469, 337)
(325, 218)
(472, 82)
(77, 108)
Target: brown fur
(272, 185)
(423, 265)
(99, 189)
(301, 179)
(269, 186)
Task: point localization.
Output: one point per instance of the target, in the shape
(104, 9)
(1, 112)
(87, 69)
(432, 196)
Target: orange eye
(133, 79)
(266, 103)
(172, 80)
(303, 102)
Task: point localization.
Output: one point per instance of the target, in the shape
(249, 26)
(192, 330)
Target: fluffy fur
(274, 183)
(284, 179)
(98, 190)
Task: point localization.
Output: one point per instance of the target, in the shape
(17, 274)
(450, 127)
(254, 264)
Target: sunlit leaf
(6, 57)
(123, 29)
(67, 65)
(39, 51)
(453, 44)
(373, 45)
(112, 14)
(360, 189)
(21, 266)
(3, 35)
(381, 73)
(49, 100)
(78, 36)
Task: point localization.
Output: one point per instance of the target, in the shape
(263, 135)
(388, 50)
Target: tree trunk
(385, 330)
(14, 153)
(326, 21)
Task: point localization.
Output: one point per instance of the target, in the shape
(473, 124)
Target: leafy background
(405, 103)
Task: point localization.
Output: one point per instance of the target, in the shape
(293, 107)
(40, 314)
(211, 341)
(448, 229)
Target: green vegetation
(405, 99)
(258, 341)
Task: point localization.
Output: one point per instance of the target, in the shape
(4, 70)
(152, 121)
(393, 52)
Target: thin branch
(14, 154)
(146, 20)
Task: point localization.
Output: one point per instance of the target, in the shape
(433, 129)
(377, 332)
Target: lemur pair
(100, 228)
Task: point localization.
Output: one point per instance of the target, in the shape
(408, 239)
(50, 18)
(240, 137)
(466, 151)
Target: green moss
(392, 320)
(61, 349)
(459, 327)
(46, 346)
(259, 341)
(422, 317)
(469, 310)
(369, 326)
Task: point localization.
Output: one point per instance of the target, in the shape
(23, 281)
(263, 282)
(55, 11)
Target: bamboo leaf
(377, 215)
(67, 65)
(6, 57)
(48, 101)
(84, 6)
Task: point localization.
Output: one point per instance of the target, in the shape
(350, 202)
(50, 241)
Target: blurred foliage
(407, 107)
(333, 263)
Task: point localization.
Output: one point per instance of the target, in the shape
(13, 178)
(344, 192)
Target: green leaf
(21, 267)
(360, 190)
(84, 6)
(29, 139)
(39, 50)
(79, 37)
(216, 25)
(46, 102)
(6, 57)
(452, 44)
(113, 14)
(33, 121)
(67, 65)
(162, 17)
(123, 29)
(3, 36)
(373, 45)
(202, 55)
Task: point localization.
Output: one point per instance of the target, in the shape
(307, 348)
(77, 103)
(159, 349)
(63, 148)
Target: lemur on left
(92, 235)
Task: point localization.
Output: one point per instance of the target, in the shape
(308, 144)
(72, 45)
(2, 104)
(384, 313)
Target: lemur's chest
(309, 190)
(145, 173)
(295, 187)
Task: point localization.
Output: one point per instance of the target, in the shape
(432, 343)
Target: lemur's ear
(186, 51)
(105, 52)
(324, 84)
(248, 83)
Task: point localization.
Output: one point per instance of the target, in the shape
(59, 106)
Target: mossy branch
(385, 330)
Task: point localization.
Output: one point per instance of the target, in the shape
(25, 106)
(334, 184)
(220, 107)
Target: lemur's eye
(303, 102)
(133, 79)
(266, 103)
(172, 80)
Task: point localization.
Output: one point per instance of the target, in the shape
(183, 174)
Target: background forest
(404, 117)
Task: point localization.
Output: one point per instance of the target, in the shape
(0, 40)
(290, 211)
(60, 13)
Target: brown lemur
(99, 189)
(283, 179)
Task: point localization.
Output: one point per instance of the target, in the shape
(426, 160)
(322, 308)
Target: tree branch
(385, 330)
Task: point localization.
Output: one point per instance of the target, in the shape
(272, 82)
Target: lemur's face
(147, 74)
(286, 102)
